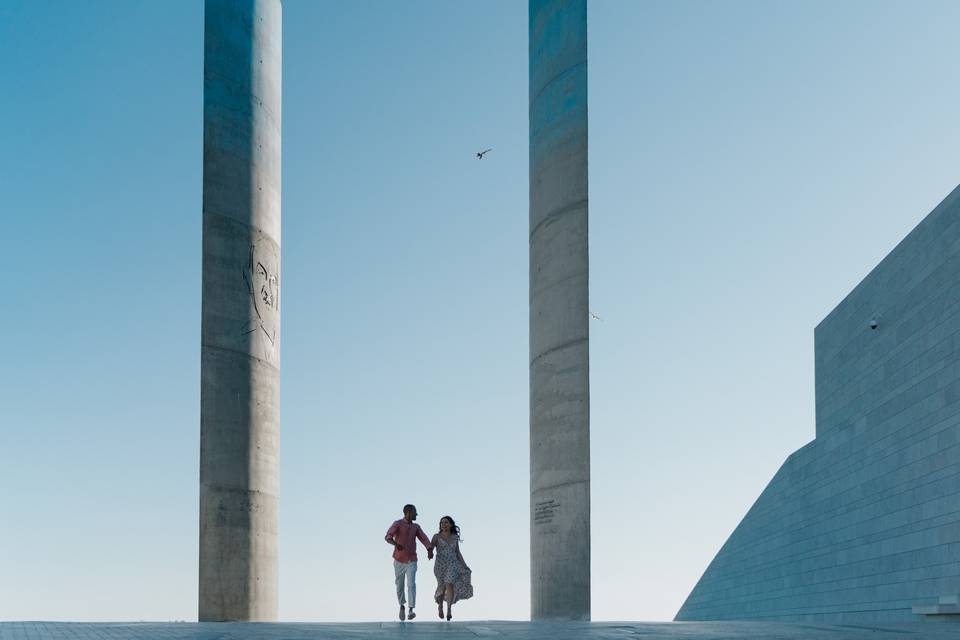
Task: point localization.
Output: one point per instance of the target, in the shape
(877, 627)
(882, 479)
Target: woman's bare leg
(448, 596)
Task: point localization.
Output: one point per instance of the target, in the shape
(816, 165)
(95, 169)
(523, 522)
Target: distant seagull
(483, 153)
(595, 316)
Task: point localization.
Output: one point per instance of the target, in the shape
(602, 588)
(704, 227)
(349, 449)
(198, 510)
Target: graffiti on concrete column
(261, 274)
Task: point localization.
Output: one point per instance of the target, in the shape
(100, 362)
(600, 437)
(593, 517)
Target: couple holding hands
(452, 573)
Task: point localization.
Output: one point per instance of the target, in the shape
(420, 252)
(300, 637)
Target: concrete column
(559, 315)
(240, 330)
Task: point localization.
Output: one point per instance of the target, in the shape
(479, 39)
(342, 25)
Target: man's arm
(422, 537)
(392, 534)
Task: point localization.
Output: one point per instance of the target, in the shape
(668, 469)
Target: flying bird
(483, 153)
(595, 316)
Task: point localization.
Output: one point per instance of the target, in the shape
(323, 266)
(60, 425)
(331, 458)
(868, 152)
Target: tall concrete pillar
(559, 315)
(240, 329)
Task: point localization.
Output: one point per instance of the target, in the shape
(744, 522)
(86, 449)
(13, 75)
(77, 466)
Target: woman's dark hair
(453, 526)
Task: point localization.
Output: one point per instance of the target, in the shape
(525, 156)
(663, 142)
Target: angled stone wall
(863, 523)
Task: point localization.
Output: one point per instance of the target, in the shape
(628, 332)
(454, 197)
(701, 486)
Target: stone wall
(863, 523)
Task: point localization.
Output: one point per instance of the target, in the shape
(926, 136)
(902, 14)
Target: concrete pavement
(464, 630)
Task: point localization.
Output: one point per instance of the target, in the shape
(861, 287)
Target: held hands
(399, 546)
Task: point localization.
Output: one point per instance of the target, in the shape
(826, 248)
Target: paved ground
(468, 630)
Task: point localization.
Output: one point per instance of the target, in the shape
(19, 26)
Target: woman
(453, 574)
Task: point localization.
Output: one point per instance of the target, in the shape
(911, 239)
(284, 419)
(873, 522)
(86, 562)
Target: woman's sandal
(440, 610)
(449, 615)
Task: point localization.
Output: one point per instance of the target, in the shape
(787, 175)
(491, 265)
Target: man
(403, 535)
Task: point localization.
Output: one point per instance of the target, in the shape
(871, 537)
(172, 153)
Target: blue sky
(749, 163)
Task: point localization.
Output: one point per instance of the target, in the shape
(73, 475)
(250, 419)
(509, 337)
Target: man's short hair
(409, 507)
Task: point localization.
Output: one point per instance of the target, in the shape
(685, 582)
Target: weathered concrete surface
(469, 629)
(240, 332)
(862, 525)
(559, 313)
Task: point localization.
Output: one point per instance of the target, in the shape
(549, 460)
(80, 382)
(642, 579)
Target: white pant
(406, 571)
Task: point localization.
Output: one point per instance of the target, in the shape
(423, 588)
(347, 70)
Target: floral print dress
(449, 569)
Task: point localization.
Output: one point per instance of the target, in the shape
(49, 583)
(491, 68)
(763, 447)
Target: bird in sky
(595, 316)
(483, 153)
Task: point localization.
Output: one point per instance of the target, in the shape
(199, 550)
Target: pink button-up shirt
(406, 534)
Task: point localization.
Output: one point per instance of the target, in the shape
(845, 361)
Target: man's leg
(399, 572)
(412, 584)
